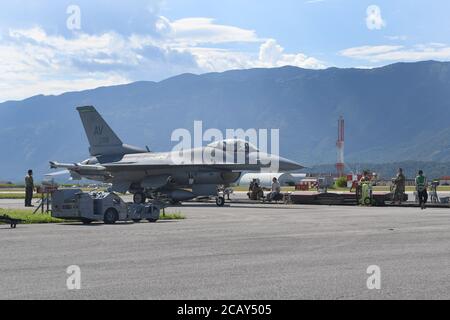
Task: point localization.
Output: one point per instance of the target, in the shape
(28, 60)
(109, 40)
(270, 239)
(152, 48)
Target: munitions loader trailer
(73, 204)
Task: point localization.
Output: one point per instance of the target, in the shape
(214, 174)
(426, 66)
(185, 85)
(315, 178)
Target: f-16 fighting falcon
(169, 175)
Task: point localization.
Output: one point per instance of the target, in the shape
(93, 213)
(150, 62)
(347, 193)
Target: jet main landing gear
(220, 201)
(139, 198)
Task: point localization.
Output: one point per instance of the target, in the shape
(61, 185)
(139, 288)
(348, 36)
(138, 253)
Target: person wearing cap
(29, 188)
(421, 188)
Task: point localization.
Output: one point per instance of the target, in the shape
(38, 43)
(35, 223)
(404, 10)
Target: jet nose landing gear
(220, 201)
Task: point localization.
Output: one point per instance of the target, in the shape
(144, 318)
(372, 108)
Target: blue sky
(114, 42)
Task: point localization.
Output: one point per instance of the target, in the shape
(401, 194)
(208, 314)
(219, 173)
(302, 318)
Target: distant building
(298, 177)
(444, 181)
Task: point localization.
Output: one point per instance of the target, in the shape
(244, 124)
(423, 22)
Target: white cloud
(197, 31)
(366, 52)
(374, 20)
(271, 54)
(29, 69)
(35, 62)
(374, 54)
(218, 60)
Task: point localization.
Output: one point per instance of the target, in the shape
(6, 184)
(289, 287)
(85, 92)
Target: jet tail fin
(102, 139)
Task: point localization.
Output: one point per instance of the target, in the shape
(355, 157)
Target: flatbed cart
(8, 220)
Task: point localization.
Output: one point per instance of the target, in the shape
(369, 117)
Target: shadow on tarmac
(118, 224)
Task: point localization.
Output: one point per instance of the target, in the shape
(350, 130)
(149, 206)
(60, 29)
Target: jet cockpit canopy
(233, 145)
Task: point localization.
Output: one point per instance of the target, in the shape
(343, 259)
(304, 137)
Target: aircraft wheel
(139, 198)
(367, 201)
(220, 201)
(111, 216)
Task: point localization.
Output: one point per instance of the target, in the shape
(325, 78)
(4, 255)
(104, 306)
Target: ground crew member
(253, 190)
(421, 188)
(29, 188)
(399, 187)
(365, 178)
(276, 190)
(257, 192)
(250, 187)
(364, 188)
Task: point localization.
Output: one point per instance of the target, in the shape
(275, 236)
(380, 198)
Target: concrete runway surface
(236, 252)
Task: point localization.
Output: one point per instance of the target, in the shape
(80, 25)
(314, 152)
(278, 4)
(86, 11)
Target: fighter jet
(169, 175)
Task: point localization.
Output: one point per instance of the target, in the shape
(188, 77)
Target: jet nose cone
(289, 165)
(278, 164)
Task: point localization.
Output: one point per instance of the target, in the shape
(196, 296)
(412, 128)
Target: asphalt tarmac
(240, 251)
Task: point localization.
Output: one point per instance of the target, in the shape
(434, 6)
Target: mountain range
(394, 113)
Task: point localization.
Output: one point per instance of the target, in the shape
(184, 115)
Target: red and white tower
(340, 166)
